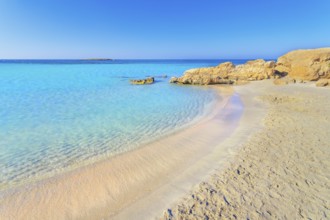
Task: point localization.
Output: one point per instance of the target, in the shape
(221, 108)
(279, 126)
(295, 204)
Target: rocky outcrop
(228, 73)
(298, 65)
(254, 70)
(309, 65)
(148, 80)
(200, 80)
(322, 82)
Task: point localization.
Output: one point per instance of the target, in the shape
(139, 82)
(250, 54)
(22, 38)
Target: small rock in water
(174, 80)
(148, 80)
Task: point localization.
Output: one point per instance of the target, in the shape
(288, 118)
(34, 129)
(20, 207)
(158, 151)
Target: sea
(57, 115)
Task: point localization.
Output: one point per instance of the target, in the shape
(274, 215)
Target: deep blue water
(59, 114)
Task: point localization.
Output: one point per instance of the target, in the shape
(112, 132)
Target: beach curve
(106, 188)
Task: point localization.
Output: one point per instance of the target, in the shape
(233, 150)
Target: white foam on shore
(139, 183)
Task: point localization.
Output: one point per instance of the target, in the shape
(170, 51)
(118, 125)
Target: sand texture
(281, 172)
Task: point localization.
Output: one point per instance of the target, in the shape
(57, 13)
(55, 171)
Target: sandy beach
(281, 171)
(167, 110)
(269, 161)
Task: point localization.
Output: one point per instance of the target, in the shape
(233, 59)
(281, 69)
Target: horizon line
(113, 59)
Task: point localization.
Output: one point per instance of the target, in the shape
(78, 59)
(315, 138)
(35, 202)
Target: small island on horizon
(98, 59)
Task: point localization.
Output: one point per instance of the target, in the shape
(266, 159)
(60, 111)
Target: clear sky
(123, 29)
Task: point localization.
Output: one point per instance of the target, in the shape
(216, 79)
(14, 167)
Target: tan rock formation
(253, 70)
(322, 82)
(228, 73)
(309, 65)
(298, 65)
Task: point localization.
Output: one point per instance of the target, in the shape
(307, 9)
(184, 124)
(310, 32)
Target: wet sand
(161, 171)
(281, 172)
(214, 154)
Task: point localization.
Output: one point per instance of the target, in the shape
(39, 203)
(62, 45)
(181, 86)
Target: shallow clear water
(57, 115)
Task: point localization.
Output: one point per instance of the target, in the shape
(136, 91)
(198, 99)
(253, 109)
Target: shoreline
(204, 115)
(89, 191)
(219, 158)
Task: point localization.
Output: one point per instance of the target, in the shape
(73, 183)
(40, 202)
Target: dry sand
(281, 172)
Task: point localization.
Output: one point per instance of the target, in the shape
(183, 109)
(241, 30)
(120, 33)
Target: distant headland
(98, 59)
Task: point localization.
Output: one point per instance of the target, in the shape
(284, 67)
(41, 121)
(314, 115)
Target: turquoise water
(57, 115)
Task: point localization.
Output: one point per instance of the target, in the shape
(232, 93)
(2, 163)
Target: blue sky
(122, 29)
